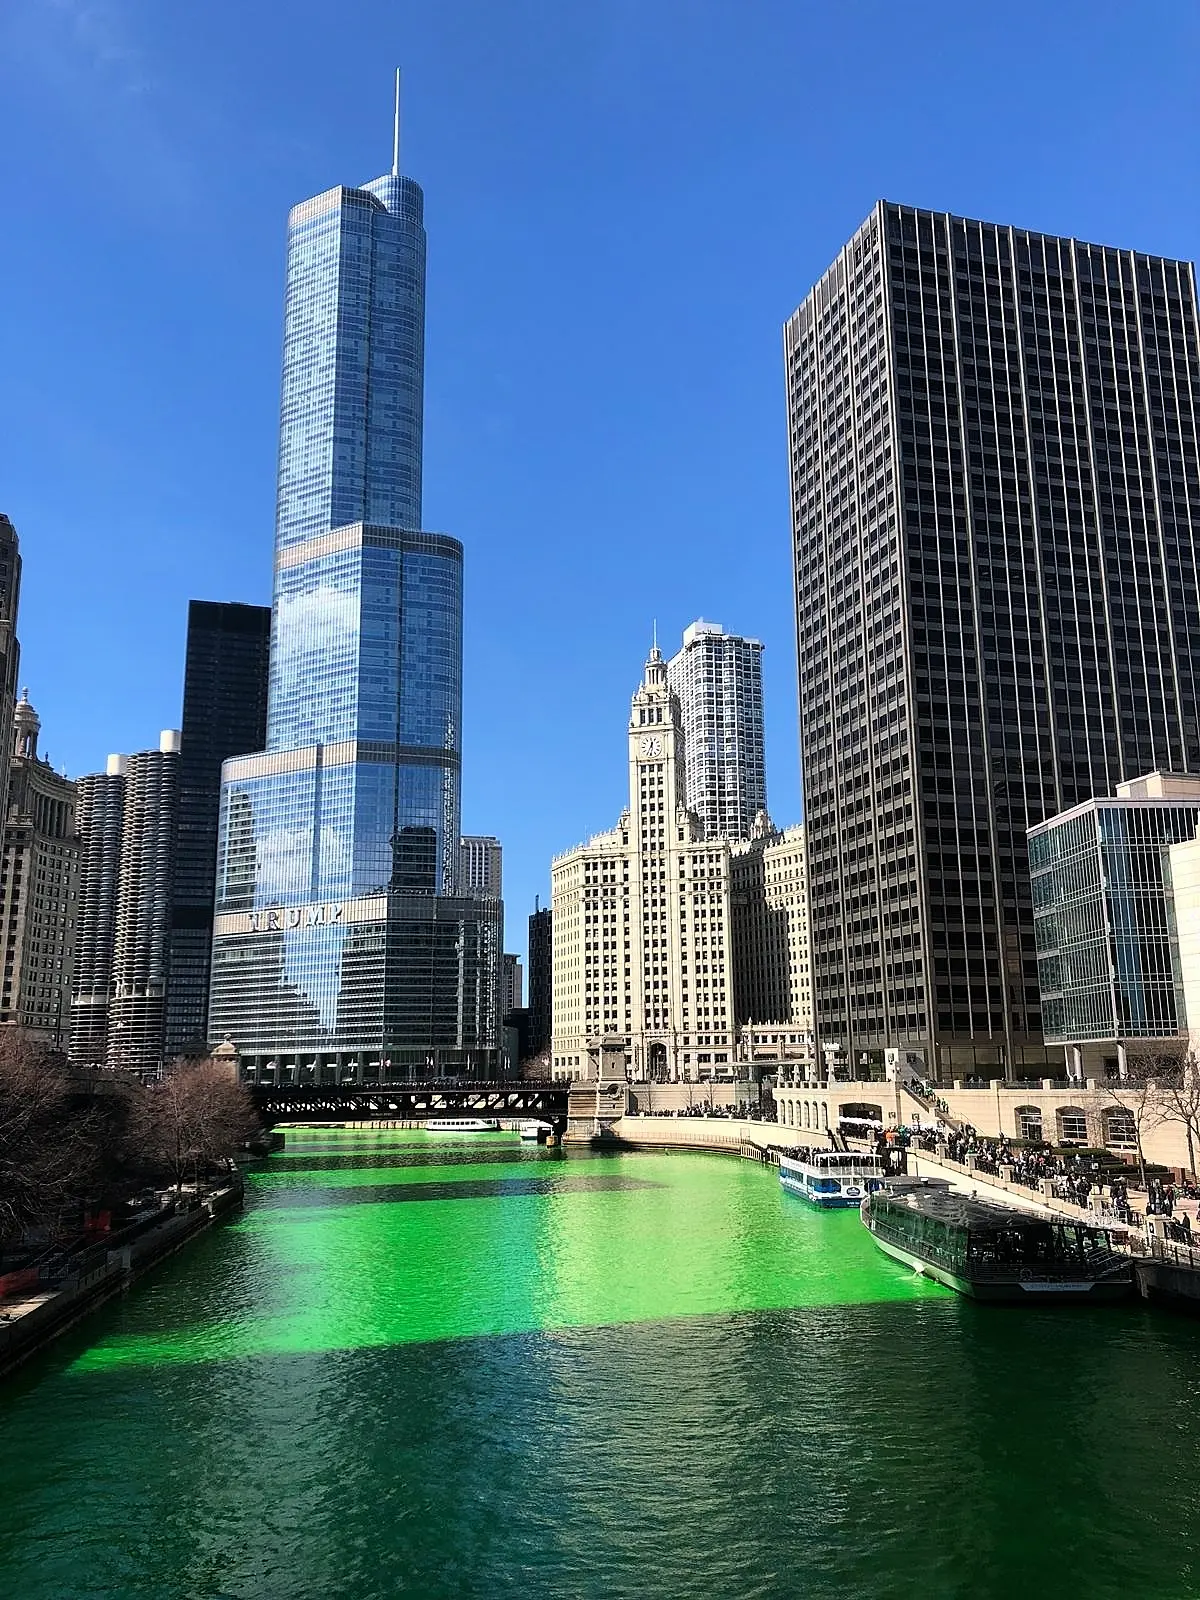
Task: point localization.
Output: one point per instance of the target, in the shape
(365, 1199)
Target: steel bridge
(406, 1102)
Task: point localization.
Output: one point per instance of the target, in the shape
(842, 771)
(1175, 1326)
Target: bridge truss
(406, 1102)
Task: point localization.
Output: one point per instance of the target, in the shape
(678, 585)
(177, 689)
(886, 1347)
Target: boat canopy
(835, 1160)
(984, 1219)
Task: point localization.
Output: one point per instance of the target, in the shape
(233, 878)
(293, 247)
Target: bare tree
(1139, 1089)
(50, 1137)
(197, 1115)
(1179, 1102)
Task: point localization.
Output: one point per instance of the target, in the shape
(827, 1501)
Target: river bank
(32, 1321)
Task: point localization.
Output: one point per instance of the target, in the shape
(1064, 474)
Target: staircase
(927, 1105)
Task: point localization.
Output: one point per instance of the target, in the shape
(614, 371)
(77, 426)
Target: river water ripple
(427, 1367)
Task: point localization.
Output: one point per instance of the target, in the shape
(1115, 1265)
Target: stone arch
(1029, 1122)
(1071, 1125)
(861, 1111)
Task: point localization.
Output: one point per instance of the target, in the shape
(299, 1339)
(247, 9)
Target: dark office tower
(99, 817)
(137, 995)
(995, 507)
(541, 979)
(10, 650)
(224, 714)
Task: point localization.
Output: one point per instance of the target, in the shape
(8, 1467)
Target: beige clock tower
(641, 921)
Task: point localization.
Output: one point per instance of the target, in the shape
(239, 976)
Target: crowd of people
(705, 1108)
(1074, 1178)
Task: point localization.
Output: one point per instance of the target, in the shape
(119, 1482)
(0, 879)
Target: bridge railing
(410, 1086)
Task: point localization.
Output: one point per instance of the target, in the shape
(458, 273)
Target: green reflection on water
(840, 1447)
(694, 1235)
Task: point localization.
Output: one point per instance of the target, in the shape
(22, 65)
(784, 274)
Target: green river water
(426, 1366)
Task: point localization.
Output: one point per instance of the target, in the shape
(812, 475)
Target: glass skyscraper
(341, 948)
(1103, 918)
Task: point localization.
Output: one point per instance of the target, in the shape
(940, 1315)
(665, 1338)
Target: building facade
(641, 921)
(481, 867)
(1185, 913)
(512, 989)
(994, 503)
(342, 946)
(136, 1040)
(224, 714)
(717, 679)
(1104, 919)
(541, 978)
(772, 983)
(100, 817)
(39, 883)
(10, 649)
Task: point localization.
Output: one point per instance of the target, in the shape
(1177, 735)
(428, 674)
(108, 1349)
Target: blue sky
(624, 201)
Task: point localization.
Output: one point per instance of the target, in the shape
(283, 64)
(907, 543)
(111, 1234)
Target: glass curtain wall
(340, 944)
(1107, 964)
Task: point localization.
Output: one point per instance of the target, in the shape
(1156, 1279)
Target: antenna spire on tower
(396, 131)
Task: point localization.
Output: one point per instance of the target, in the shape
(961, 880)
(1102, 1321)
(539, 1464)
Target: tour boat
(534, 1130)
(994, 1252)
(829, 1178)
(462, 1125)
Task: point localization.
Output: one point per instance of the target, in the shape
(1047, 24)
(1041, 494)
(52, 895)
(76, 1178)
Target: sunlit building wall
(39, 879)
(717, 678)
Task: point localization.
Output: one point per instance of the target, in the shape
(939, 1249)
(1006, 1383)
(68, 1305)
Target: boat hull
(829, 1187)
(1012, 1290)
(823, 1202)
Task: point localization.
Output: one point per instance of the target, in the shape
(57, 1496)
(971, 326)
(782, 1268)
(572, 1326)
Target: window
(1072, 1125)
(1029, 1122)
(1119, 1127)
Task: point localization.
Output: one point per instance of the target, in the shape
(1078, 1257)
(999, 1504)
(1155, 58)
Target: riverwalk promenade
(731, 1135)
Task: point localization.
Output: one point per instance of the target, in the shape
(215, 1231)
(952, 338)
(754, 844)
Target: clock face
(651, 744)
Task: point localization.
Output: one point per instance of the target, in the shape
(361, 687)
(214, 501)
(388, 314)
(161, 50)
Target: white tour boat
(829, 1178)
(534, 1130)
(462, 1125)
